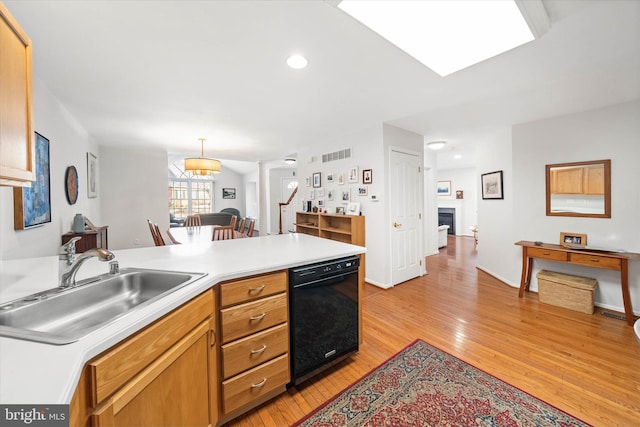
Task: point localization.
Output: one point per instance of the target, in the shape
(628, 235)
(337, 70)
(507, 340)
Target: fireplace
(447, 216)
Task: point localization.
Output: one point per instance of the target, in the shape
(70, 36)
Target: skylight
(446, 36)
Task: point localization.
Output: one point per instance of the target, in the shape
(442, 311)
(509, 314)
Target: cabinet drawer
(250, 385)
(240, 291)
(595, 261)
(255, 349)
(547, 254)
(252, 317)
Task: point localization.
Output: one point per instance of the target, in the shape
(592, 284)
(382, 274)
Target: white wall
(466, 180)
(607, 133)
(133, 184)
(68, 145)
(367, 153)
(229, 179)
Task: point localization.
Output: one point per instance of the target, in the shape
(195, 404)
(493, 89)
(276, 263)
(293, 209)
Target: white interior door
(289, 211)
(405, 215)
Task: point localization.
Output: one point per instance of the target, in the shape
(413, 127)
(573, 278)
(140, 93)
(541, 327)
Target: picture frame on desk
(573, 240)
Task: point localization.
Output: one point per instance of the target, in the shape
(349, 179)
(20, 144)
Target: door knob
(396, 225)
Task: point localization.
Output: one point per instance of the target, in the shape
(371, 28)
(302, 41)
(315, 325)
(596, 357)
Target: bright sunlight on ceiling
(446, 36)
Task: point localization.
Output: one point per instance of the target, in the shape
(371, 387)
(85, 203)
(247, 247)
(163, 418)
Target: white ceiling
(165, 73)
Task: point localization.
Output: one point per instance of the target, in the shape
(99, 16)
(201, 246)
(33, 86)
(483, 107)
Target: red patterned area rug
(424, 386)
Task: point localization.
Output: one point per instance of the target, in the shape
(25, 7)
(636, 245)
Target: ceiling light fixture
(436, 145)
(202, 165)
(445, 35)
(290, 161)
(297, 62)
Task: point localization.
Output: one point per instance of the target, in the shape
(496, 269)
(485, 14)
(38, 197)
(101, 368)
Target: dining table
(201, 234)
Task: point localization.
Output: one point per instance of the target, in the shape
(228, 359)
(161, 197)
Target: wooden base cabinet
(254, 347)
(160, 376)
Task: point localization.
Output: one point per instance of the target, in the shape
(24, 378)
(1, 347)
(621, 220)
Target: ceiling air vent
(337, 155)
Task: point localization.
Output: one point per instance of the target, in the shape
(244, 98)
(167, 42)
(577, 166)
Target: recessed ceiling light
(457, 156)
(445, 35)
(436, 145)
(297, 62)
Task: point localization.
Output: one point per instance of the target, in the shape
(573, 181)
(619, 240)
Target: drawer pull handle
(259, 317)
(257, 289)
(260, 384)
(546, 253)
(260, 350)
(594, 259)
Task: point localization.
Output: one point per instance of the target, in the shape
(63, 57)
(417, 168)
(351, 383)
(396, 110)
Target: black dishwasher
(323, 305)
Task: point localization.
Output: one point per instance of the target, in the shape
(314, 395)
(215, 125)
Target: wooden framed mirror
(581, 189)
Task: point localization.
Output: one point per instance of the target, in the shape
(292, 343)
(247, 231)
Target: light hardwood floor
(586, 365)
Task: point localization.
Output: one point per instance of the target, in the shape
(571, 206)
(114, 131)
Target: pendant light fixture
(202, 165)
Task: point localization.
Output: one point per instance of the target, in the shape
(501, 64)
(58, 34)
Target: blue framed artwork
(32, 205)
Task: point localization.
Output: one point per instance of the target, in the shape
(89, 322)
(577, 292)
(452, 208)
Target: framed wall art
(228, 193)
(317, 176)
(367, 176)
(492, 185)
(353, 174)
(444, 188)
(92, 176)
(32, 205)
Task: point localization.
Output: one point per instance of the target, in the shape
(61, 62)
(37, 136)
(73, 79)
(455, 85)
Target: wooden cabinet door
(17, 155)
(567, 181)
(171, 391)
(594, 180)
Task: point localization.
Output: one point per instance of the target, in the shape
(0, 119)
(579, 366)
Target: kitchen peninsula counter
(37, 373)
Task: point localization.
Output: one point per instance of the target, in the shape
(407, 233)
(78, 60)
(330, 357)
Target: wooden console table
(618, 261)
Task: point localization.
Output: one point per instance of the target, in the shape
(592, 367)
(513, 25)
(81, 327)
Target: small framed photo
(320, 202)
(316, 179)
(362, 191)
(492, 185)
(444, 188)
(573, 240)
(329, 194)
(312, 194)
(228, 193)
(92, 176)
(367, 176)
(320, 192)
(341, 179)
(346, 196)
(353, 208)
(307, 181)
(353, 174)
(331, 177)
(340, 210)
(459, 194)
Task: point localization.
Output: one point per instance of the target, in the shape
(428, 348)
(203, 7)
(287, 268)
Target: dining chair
(252, 223)
(192, 221)
(155, 233)
(234, 221)
(173, 239)
(241, 225)
(223, 232)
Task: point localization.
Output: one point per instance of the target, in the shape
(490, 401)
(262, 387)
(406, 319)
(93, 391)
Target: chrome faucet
(69, 264)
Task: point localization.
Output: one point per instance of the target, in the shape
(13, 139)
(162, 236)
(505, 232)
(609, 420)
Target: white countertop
(36, 373)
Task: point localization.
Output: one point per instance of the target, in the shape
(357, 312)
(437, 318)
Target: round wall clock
(71, 184)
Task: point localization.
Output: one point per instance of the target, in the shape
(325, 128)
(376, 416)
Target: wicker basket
(566, 290)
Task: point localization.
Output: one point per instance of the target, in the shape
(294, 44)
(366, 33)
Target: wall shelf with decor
(343, 228)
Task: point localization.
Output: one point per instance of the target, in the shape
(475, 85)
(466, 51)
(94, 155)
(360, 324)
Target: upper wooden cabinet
(578, 180)
(17, 154)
